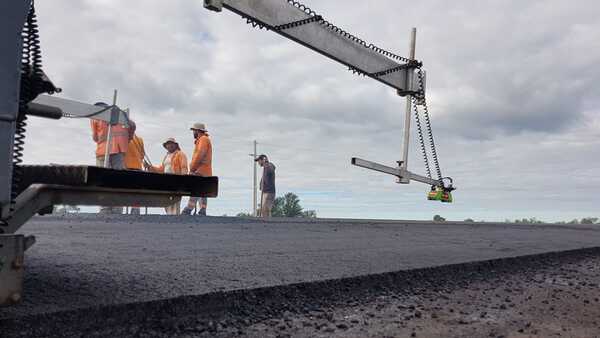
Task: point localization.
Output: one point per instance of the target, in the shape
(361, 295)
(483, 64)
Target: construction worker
(267, 185)
(175, 162)
(134, 157)
(120, 136)
(200, 165)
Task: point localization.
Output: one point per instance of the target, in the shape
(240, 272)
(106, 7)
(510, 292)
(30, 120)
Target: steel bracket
(214, 5)
(12, 264)
(404, 176)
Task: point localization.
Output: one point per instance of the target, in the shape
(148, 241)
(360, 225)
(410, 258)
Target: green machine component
(442, 192)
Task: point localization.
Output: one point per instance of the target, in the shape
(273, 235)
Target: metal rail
(77, 109)
(299, 23)
(41, 196)
(305, 27)
(398, 172)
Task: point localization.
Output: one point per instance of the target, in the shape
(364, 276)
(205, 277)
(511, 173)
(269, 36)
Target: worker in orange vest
(120, 136)
(175, 162)
(134, 157)
(200, 165)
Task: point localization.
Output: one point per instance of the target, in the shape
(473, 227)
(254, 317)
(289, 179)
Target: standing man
(200, 165)
(267, 185)
(175, 162)
(119, 142)
(134, 157)
(120, 136)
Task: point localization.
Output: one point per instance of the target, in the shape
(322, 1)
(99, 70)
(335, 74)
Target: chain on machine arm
(301, 24)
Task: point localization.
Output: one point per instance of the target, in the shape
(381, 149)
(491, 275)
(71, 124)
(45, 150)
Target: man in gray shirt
(267, 185)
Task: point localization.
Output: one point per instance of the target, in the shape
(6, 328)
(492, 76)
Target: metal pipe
(398, 172)
(42, 110)
(254, 190)
(109, 136)
(407, 117)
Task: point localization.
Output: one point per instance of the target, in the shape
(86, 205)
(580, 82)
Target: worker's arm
(199, 155)
(131, 131)
(95, 132)
(159, 169)
(269, 174)
(142, 149)
(154, 169)
(183, 166)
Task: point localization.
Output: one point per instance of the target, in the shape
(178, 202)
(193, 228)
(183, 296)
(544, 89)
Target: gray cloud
(510, 86)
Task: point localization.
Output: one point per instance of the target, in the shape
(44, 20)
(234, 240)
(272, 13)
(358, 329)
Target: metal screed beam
(398, 172)
(312, 31)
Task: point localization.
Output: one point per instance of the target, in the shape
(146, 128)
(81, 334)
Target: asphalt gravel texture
(183, 276)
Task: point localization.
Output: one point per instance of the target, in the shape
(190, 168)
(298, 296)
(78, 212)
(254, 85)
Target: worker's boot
(201, 212)
(186, 211)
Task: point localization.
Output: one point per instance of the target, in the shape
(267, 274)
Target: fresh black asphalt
(86, 261)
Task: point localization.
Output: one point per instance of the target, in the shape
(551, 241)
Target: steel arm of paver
(56, 107)
(13, 16)
(398, 172)
(40, 196)
(310, 31)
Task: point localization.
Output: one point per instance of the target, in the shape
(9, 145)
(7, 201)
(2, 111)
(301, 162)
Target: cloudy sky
(513, 88)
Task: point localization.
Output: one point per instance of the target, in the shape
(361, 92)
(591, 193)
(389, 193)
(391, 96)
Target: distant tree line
(532, 220)
(585, 220)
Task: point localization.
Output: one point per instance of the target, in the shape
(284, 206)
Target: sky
(512, 88)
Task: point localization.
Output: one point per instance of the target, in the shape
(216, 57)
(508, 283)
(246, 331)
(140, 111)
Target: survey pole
(407, 117)
(109, 134)
(255, 180)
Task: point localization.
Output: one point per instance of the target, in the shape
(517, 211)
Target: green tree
(291, 205)
(589, 220)
(469, 220)
(277, 210)
(531, 220)
(438, 218)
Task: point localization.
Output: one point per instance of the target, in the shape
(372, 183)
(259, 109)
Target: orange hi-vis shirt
(135, 153)
(178, 164)
(120, 136)
(201, 163)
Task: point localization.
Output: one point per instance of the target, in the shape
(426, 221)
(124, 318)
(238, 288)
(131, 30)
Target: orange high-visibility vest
(120, 136)
(202, 159)
(178, 164)
(135, 153)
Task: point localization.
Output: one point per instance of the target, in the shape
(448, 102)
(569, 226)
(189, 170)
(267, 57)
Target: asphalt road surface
(85, 261)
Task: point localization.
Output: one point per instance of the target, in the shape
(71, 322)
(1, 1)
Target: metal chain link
(421, 98)
(421, 139)
(298, 23)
